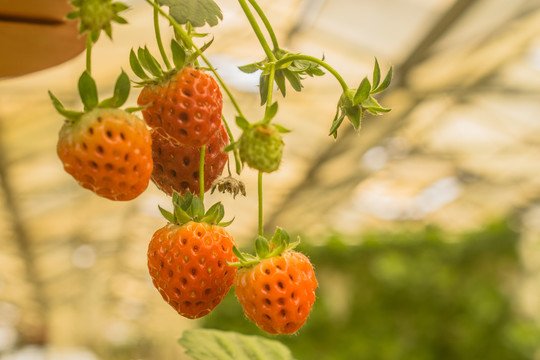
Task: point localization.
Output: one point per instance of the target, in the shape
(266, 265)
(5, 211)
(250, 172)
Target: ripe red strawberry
(108, 151)
(277, 290)
(176, 167)
(186, 107)
(187, 260)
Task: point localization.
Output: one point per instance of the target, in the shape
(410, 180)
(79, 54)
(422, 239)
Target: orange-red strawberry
(276, 289)
(185, 106)
(107, 151)
(176, 167)
(188, 260)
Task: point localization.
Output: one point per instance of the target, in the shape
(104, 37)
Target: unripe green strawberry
(261, 147)
(96, 14)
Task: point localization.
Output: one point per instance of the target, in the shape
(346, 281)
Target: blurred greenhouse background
(424, 228)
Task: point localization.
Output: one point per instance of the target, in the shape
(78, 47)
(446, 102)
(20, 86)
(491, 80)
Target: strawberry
(261, 147)
(188, 258)
(107, 151)
(185, 106)
(97, 15)
(277, 288)
(176, 167)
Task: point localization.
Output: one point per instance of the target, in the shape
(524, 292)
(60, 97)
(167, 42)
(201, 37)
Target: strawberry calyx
(190, 208)
(147, 68)
(89, 96)
(353, 103)
(265, 249)
(96, 16)
(287, 69)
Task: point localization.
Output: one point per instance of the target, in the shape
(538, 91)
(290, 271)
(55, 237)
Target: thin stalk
(317, 61)
(270, 87)
(266, 23)
(237, 162)
(89, 54)
(260, 196)
(201, 172)
(158, 39)
(257, 30)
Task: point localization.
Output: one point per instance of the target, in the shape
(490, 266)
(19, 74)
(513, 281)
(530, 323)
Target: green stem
(237, 162)
(317, 61)
(260, 193)
(158, 40)
(257, 30)
(89, 54)
(270, 92)
(266, 23)
(201, 172)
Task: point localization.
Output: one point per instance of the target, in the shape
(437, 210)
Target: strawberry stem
(260, 196)
(236, 154)
(320, 62)
(257, 30)
(266, 23)
(89, 54)
(201, 172)
(158, 40)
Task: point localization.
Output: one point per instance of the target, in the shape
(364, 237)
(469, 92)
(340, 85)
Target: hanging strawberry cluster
(183, 145)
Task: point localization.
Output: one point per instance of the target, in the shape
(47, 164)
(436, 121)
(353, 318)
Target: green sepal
(281, 129)
(196, 54)
(149, 62)
(263, 88)
(167, 215)
(280, 81)
(88, 91)
(250, 68)
(119, 19)
(385, 83)
(73, 15)
(232, 146)
(108, 31)
(294, 79)
(262, 247)
(270, 113)
(118, 7)
(363, 92)
(195, 12)
(121, 92)
(376, 74)
(336, 123)
(68, 114)
(136, 67)
(191, 208)
(133, 109)
(242, 123)
(94, 36)
(178, 54)
(371, 105)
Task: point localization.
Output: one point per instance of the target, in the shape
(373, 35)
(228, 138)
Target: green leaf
(209, 344)
(167, 215)
(196, 12)
(242, 123)
(386, 82)
(376, 74)
(149, 62)
(69, 114)
(88, 91)
(178, 54)
(136, 66)
(363, 92)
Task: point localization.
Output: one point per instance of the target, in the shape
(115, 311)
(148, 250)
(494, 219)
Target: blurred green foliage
(408, 295)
